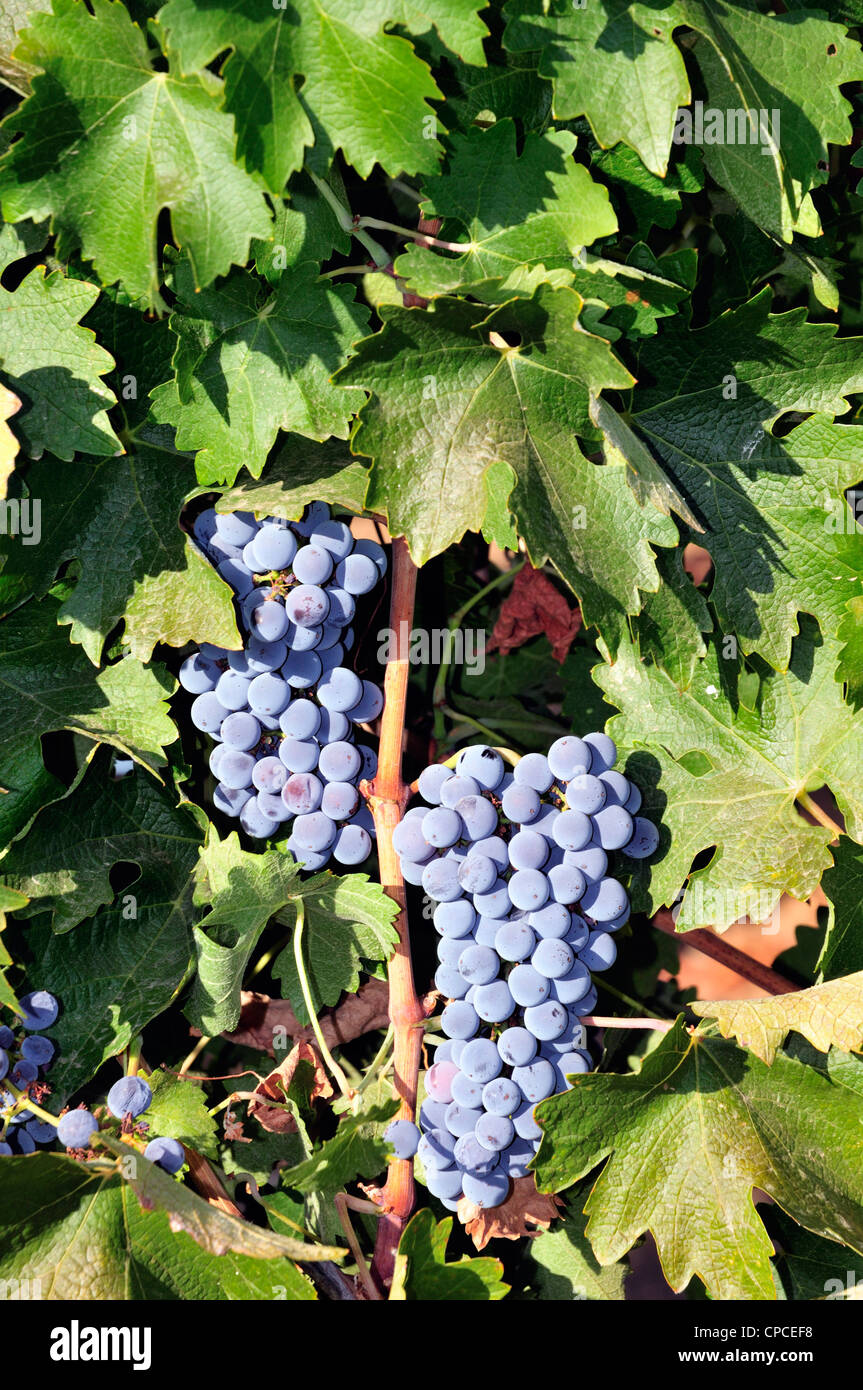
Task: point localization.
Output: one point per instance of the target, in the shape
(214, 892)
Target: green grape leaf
(120, 519)
(615, 62)
(377, 111)
(304, 229)
(358, 1149)
(75, 1231)
(829, 1015)
(45, 684)
(814, 1268)
(179, 1110)
(774, 518)
(754, 762)
(651, 201)
(102, 115)
(56, 367)
(244, 891)
(563, 1267)
(773, 82)
(13, 17)
(850, 667)
(422, 1272)
(497, 524)
(348, 923)
(635, 295)
(670, 627)
(523, 213)
(687, 1138)
(132, 945)
(843, 886)
(247, 366)
(510, 86)
(299, 473)
(141, 346)
(451, 398)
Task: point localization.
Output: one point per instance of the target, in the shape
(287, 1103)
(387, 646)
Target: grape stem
(421, 238)
(23, 1102)
(387, 797)
(455, 622)
(822, 817)
(363, 1272)
(348, 222)
(341, 1080)
(738, 961)
(656, 1025)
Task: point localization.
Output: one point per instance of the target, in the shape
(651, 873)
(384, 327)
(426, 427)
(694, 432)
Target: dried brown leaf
(525, 1212)
(263, 1018)
(533, 605)
(275, 1086)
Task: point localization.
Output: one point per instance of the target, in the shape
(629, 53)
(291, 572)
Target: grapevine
(431, 596)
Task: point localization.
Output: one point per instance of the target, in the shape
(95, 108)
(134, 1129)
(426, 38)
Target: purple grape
(39, 1010)
(357, 574)
(645, 839)
(404, 1137)
(339, 762)
(129, 1096)
(312, 565)
(75, 1128)
(567, 756)
(168, 1154)
(534, 771)
(307, 605)
(241, 731)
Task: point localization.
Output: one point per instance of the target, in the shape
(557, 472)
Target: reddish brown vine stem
(388, 797)
(738, 961)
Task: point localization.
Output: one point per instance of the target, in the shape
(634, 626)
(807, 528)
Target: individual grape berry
(554, 920)
(339, 762)
(357, 574)
(461, 1119)
(528, 889)
(455, 919)
(436, 1148)
(603, 752)
(604, 900)
(471, 1156)
(299, 755)
(198, 675)
(23, 1072)
(312, 565)
(301, 719)
(270, 620)
(566, 884)
(229, 800)
(235, 770)
(314, 831)
(479, 965)
(442, 827)
(536, 1081)
(75, 1129)
(466, 1092)
(486, 1191)
(308, 605)
(440, 880)
(527, 986)
(369, 705)
(41, 1132)
(645, 839)
(340, 800)
(553, 958)
(334, 537)
(533, 771)
(484, 764)
(478, 816)
(517, 1046)
(39, 1010)
(480, 1060)
(237, 527)
(570, 988)
(129, 1096)
(568, 756)
(528, 850)
(37, 1050)
(495, 902)
(168, 1154)
(7, 1037)
(501, 1096)
(591, 862)
(374, 551)
(494, 1002)
(208, 712)
(520, 803)
(404, 1137)
(352, 845)
(450, 983)
(494, 1132)
(302, 793)
(460, 1020)
(445, 1183)
(572, 830)
(613, 827)
(477, 873)
(302, 670)
(600, 953)
(546, 1021)
(274, 547)
(431, 781)
(514, 941)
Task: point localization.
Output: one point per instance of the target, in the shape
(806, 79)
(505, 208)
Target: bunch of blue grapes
(22, 1131)
(282, 711)
(518, 863)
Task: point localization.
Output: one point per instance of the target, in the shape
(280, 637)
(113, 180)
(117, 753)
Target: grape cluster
(21, 1130)
(24, 1059)
(282, 710)
(518, 863)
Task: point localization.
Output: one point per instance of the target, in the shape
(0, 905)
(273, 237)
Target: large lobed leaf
(829, 1015)
(451, 398)
(103, 116)
(754, 757)
(248, 365)
(119, 518)
(325, 71)
(617, 63)
(688, 1138)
